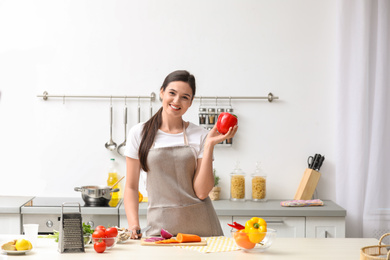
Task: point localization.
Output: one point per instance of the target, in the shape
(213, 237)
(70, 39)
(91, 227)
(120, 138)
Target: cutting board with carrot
(201, 243)
(179, 240)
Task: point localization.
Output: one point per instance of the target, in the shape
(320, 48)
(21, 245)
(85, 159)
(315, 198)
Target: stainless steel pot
(96, 196)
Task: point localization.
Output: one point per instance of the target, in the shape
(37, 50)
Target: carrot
(184, 238)
(167, 241)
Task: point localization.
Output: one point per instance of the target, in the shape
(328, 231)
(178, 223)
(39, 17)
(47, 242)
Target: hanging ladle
(110, 145)
(122, 146)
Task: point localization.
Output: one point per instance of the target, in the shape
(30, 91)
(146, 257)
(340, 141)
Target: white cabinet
(123, 221)
(224, 220)
(10, 224)
(325, 227)
(284, 226)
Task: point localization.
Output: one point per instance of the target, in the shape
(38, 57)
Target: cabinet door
(10, 224)
(224, 220)
(325, 227)
(123, 221)
(284, 226)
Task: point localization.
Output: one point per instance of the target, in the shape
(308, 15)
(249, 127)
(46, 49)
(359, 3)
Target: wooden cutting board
(201, 243)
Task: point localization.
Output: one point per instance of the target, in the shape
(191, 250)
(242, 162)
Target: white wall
(234, 48)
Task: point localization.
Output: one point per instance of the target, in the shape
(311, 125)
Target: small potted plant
(214, 193)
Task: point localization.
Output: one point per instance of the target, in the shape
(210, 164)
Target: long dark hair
(153, 124)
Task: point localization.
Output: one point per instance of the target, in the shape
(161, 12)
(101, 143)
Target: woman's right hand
(134, 234)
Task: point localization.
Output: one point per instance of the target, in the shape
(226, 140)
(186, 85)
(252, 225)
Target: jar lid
(220, 110)
(202, 109)
(258, 171)
(211, 109)
(237, 170)
(230, 110)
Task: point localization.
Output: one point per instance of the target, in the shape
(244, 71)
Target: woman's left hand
(214, 137)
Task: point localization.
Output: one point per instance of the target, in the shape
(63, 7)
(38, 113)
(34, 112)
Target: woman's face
(176, 98)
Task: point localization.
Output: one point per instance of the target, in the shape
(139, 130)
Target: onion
(154, 239)
(165, 234)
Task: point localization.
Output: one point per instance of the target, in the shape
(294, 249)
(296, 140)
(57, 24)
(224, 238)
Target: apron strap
(184, 134)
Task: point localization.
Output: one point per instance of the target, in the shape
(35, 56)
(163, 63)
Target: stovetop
(58, 201)
(50, 205)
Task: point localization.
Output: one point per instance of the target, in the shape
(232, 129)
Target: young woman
(178, 159)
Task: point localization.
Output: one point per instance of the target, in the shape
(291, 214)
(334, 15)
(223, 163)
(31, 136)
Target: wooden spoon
(117, 182)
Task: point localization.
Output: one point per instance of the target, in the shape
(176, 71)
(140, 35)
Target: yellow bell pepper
(255, 228)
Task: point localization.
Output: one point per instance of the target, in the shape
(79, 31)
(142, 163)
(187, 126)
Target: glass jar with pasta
(237, 184)
(259, 184)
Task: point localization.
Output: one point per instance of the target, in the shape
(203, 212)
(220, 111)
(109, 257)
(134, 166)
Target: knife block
(308, 185)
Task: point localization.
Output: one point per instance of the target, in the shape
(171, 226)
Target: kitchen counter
(270, 208)
(12, 204)
(10, 218)
(283, 248)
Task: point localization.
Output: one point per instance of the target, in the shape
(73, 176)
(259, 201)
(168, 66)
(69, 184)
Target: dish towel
(301, 203)
(214, 244)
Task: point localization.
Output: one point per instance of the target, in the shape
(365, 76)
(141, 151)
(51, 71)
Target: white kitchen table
(283, 248)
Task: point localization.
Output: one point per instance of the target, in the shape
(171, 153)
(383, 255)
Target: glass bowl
(123, 236)
(110, 241)
(263, 240)
(87, 239)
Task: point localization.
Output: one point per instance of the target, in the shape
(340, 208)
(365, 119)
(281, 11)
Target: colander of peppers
(254, 236)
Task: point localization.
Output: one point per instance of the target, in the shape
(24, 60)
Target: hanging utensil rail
(152, 97)
(270, 97)
(45, 96)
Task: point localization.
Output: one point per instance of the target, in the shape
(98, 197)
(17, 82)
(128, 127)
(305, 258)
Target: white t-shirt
(196, 136)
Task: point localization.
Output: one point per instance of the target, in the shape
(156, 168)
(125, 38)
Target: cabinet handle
(275, 222)
(326, 234)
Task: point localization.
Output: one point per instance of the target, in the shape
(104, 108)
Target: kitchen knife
(311, 161)
(316, 161)
(321, 160)
(142, 230)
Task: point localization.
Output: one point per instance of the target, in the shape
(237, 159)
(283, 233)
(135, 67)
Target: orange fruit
(242, 240)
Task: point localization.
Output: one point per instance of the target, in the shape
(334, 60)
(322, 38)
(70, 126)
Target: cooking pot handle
(115, 190)
(78, 189)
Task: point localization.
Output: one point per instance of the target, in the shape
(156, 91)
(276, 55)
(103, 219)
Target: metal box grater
(71, 238)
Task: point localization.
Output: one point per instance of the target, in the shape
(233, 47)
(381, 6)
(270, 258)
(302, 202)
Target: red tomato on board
(225, 121)
(111, 232)
(99, 246)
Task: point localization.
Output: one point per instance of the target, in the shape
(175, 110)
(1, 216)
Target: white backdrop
(234, 48)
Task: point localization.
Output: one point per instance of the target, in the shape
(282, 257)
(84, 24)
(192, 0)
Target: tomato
(100, 228)
(98, 234)
(109, 241)
(99, 246)
(225, 121)
(111, 232)
(242, 240)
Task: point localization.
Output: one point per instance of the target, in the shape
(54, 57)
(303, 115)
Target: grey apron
(173, 204)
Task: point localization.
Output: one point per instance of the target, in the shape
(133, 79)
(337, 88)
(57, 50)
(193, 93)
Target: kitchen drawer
(284, 226)
(325, 227)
